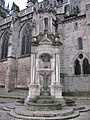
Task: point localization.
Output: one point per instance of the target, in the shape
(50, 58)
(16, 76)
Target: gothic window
(46, 23)
(5, 40)
(80, 43)
(86, 66)
(77, 68)
(26, 40)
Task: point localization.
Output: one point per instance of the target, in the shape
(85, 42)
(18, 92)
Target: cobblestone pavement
(4, 115)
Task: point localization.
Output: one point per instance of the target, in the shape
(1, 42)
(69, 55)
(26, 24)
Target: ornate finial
(33, 1)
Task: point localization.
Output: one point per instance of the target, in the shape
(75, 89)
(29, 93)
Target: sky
(21, 3)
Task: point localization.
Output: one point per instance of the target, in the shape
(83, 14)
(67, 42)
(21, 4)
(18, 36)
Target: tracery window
(26, 40)
(5, 40)
(77, 68)
(86, 66)
(82, 66)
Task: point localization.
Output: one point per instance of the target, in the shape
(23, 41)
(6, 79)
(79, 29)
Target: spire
(2, 3)
(15, 7)
(8, 7)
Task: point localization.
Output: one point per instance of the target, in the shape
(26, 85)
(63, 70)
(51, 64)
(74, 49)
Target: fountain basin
(45, 71)
(44, 107)
(44, 103)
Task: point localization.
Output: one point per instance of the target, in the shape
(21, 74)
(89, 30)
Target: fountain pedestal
(56, 90)
(34, 90)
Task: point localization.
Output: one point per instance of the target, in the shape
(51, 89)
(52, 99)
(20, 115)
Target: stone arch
(77, 56)
(44, 52)
(4, 44)
(86, 66)
(25, 39)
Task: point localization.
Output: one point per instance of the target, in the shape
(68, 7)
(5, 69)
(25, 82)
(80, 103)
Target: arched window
(77, 68)
(5, 40)
(80, 43)
(46, 23)
(86, 66)
(26, 40)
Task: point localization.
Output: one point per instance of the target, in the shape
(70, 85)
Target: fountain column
(34, 87)
(57, 70)
(56, 87)
(33, 71)
(53, 73)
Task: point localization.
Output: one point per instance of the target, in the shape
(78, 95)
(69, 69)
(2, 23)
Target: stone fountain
(45, 90)
(45, 100)
(45, 74)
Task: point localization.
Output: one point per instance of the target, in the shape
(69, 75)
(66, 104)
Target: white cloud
(21, 3)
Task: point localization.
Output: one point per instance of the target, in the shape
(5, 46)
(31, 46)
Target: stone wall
(23, 74)
(3, 67)
(77, 83)
(70, 43)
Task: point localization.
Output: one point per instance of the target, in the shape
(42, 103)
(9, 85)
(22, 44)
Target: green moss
(44, 107)
(70, 102)
(3, 14)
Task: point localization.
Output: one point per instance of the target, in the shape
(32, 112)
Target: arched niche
(46, 60)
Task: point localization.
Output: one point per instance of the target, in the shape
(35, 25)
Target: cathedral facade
(66, 21)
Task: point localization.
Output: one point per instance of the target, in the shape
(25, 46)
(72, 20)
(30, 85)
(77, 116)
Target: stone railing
(6, 20)
(20, 14)
(25, 12)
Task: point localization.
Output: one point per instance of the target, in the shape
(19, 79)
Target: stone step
(23, 111)
(8, 106)
(6, 109)
(79, 107)
(85, 110)
(15, 115)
